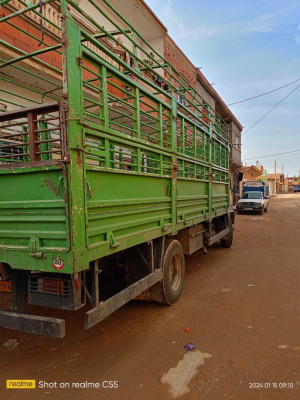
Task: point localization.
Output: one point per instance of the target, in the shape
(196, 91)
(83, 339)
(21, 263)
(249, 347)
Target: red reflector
(50, 286)
(77, 284)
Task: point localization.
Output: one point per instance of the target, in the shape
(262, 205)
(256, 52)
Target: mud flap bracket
(33, 323)
(97, 314)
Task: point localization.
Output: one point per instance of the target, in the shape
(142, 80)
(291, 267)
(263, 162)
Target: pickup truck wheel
(262, 211)
(227, 241)
(174, 270)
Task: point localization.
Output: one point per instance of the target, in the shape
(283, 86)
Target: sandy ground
(242, 306)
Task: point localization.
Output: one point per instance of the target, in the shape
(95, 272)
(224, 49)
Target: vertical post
(173, 116)
(136, 113)
(95, 283)
(275, 180)
(194, 141)
(104, 98)
(25, 147)
(45, 136)
(171, 80)
(136, 66)
(182, 134)
(73, 97)
(104, 113)
(32, 137)
(137, 127)
(160, 124)
(210, 179)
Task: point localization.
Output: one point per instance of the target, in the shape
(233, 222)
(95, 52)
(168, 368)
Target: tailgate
(34, 226)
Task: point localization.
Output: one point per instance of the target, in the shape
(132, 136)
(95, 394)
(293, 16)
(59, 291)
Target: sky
(247, 48)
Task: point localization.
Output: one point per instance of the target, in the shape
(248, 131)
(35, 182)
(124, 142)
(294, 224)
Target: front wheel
(174, 270)
(262, 211)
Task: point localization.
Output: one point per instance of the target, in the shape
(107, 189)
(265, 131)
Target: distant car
(296, 189)
(253, 201)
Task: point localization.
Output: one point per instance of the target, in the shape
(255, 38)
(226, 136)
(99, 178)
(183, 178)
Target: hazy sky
(246, 48)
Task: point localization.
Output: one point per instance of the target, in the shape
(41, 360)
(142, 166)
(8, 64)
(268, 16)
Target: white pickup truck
(253, 201)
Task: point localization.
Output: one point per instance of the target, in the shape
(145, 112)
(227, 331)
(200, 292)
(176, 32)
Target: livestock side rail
(125, 170)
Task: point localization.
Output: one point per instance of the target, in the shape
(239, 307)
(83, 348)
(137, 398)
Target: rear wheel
(174, 270)
(226, 242)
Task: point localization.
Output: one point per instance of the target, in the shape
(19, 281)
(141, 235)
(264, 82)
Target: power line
(270, 164)
(263, 94)
(255, 123)
(271, 155)
(279, 158)
(282, 158)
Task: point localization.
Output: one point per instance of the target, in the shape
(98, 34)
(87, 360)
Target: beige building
(290, 182)
(276, 182)
(251, 172)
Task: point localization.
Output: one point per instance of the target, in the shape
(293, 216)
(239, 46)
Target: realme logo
(20, 384)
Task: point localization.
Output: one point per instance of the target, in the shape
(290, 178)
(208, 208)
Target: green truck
(112, 167)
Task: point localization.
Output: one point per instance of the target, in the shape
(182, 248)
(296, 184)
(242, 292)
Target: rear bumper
(33, 323)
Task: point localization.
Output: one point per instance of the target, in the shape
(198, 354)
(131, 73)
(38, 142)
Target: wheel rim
(175, 272)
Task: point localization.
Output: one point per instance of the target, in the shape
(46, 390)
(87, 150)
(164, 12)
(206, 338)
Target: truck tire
(174, 270)
(227, 241)
(262, 211)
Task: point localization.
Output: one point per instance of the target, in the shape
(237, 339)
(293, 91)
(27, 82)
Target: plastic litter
(189, 346)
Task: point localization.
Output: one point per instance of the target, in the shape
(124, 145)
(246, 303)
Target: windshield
(252, 195)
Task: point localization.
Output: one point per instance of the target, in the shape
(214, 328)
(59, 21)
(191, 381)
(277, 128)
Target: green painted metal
(127, 161)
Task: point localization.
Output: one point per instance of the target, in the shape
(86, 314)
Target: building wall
(235, 140)
(279, 177)
(176, 57)
(251, 173)
(290, 182)
(205, 94)
(278, 182)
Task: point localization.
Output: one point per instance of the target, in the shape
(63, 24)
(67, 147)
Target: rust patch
(174, 172)
(50, 186)
(174, 169)
(78, 160)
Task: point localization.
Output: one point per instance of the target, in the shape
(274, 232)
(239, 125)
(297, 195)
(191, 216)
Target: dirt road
(242, 306)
